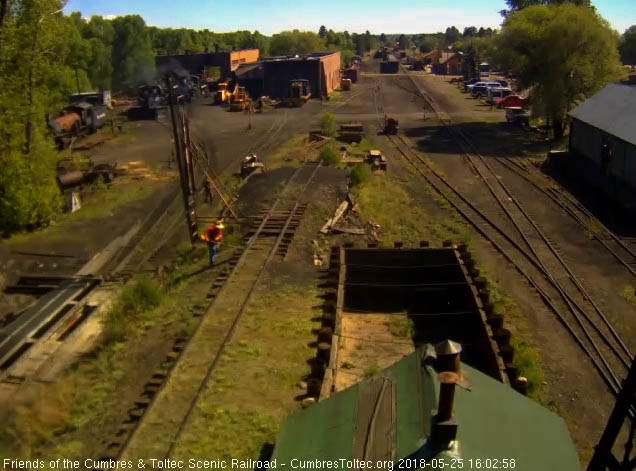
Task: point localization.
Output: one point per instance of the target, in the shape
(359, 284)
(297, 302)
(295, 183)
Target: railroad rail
(621, 249)
(532, 254)
(160, 421)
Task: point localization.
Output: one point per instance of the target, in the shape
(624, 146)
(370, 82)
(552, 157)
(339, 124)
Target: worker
(212, 236)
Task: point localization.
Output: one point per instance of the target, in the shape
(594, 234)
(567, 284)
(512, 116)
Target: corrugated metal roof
(494, 421)
(612, 110)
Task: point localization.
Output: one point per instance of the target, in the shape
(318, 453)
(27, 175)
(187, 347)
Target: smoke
(170, 66)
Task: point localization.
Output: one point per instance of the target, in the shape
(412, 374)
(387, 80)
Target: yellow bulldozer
(299, 93)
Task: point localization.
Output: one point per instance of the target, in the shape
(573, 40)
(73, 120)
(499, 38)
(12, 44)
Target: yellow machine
(223, 93)
(299, 93)
(240, 100)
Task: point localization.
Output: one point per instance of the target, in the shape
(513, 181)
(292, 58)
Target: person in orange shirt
(212, 236)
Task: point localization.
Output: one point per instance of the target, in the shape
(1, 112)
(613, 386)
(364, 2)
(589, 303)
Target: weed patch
(359, 175)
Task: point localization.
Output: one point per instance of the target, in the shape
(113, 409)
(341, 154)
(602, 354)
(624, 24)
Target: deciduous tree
(628, 46)
(562, 53)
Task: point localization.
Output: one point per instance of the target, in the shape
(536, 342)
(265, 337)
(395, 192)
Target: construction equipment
(390, 125)
(351, 132)
(299, 92)
(377, 161)
(240, 100)
(76, 120)
(250, 165)
(223, 93)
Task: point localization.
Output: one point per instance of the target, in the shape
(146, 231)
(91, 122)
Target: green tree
(562, 53)
(404, 41)
(296, 42)
(627, 47)
(322, 32)
(34, 79)
(469, 31)
(452, 34)
(517, 5)
(133, 56)
(383, 38)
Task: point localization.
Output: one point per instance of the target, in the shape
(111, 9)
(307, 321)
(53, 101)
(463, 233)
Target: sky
(378, 16)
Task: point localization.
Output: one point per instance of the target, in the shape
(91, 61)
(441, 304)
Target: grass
(384, 201)
(330, 155)
(400, 326)
(328, 124)
(371, 371)
(360, 174)
(526, 358)
(254, 386)
(135, 298)
(627, 292)
(291, 153)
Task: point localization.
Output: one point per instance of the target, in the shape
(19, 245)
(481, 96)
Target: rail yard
(325, 260)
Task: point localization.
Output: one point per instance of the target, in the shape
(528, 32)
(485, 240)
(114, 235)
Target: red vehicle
(512, 101)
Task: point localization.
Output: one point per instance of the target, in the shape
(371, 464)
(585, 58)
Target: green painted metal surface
(498, 428)
(497, 422)
(324, 431)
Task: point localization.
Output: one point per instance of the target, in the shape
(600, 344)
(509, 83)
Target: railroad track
(623, 250)
(158, 420)
(527, 248)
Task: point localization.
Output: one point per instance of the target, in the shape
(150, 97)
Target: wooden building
(271, 77)
(602, 142)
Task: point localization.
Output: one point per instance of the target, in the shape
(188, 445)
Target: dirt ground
(370, 343)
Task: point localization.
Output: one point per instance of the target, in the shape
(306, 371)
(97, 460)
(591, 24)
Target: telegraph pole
(184, 169)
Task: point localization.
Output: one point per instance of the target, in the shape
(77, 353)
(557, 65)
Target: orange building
(242, 56)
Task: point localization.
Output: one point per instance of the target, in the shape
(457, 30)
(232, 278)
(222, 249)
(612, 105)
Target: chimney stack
(448, 356)
(444, 429)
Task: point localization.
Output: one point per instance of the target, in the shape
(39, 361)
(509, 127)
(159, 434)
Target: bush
(142, 295)
(359, 174)
(328, 124)
(330, 155)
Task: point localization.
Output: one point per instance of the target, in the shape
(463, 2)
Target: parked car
(479, 91)
(503, 83)
(493, 84)
(494, 94)
(467, 83)
(512, 101)
(476, 84)
(517, 116)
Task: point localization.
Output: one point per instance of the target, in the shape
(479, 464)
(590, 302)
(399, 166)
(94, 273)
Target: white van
(493, 95)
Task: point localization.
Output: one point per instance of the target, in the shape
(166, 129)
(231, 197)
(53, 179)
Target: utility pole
(180, 150)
